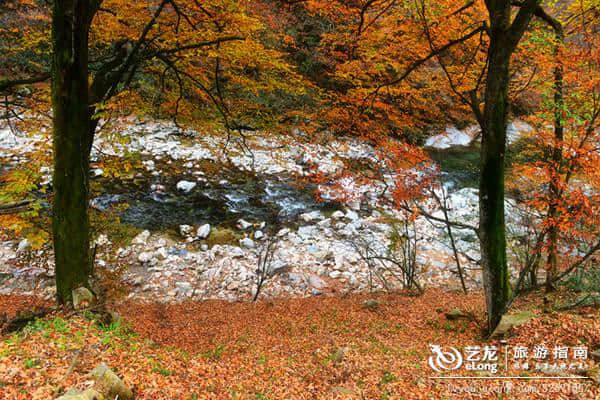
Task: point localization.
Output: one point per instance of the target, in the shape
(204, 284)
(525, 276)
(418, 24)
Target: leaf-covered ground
(315, 348)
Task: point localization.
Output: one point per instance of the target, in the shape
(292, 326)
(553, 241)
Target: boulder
(186, 186)
(371, 304)
(185, 230)
(283, 232)
(509, 321)
(83, 298)
(247, 243)
(23, 246)
(258, 235)
(352, 215)
(243, 224)
(316, 282)
(142, 238)
(307, 232)
(278, 267)
(203, 231)
(183, 286)
(311, 216)
(108, 383)
(335, 274)
(337, 214)
(145, 257)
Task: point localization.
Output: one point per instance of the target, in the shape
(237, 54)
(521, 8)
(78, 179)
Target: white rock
(311, 216)
(183, 287)
(316, 282)
(335, 274)
(247, 243)
(339, 261)
(186, 186)
(283, 232)
(185, 230)
(142, 238)
(277, 267)
(97, 172)
(149, 164)
(236, 252)
(337, 215)
(162, 253)
(352, 215)
(243, 224)
(324, 223)
(23, 246)
(258, 235)
(452, 137)
(306, 232)
(102, 240)
(354, 204)
(203, 231)
(145, 257)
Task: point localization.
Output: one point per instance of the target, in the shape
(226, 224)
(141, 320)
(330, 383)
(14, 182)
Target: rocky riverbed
(202, 231)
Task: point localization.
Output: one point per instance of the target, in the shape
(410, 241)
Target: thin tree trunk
(71, 146)
(557, 160)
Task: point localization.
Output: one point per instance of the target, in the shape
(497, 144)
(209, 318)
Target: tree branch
(521, 21)
(197, 45)
(8, 83)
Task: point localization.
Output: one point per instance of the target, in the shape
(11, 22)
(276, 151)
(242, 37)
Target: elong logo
(442, 360)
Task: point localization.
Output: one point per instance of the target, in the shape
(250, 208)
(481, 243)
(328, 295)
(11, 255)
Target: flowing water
(268, 198)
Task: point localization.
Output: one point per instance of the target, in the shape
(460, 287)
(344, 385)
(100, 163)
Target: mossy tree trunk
(491, 187)
(71, 145)
(504, 34)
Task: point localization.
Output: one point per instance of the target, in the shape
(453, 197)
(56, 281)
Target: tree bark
(504, 37)
(71, 146)
(491, 188)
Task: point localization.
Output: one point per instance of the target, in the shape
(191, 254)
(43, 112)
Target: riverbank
(191, 218)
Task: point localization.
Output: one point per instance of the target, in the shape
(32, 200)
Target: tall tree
(376, 79)
(504, 35)
(186, 51)
(72, 136)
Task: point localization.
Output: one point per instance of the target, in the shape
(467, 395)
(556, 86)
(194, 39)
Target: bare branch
(10, 83)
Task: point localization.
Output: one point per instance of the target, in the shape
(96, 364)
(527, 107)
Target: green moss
(110, 224)
(223, 236)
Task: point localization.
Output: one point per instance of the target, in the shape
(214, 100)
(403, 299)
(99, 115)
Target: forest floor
(312, 348)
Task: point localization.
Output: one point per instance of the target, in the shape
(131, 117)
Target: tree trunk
(71, 146)
(557, 161)
(505, 34)
(491, 187)
(492, 235)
